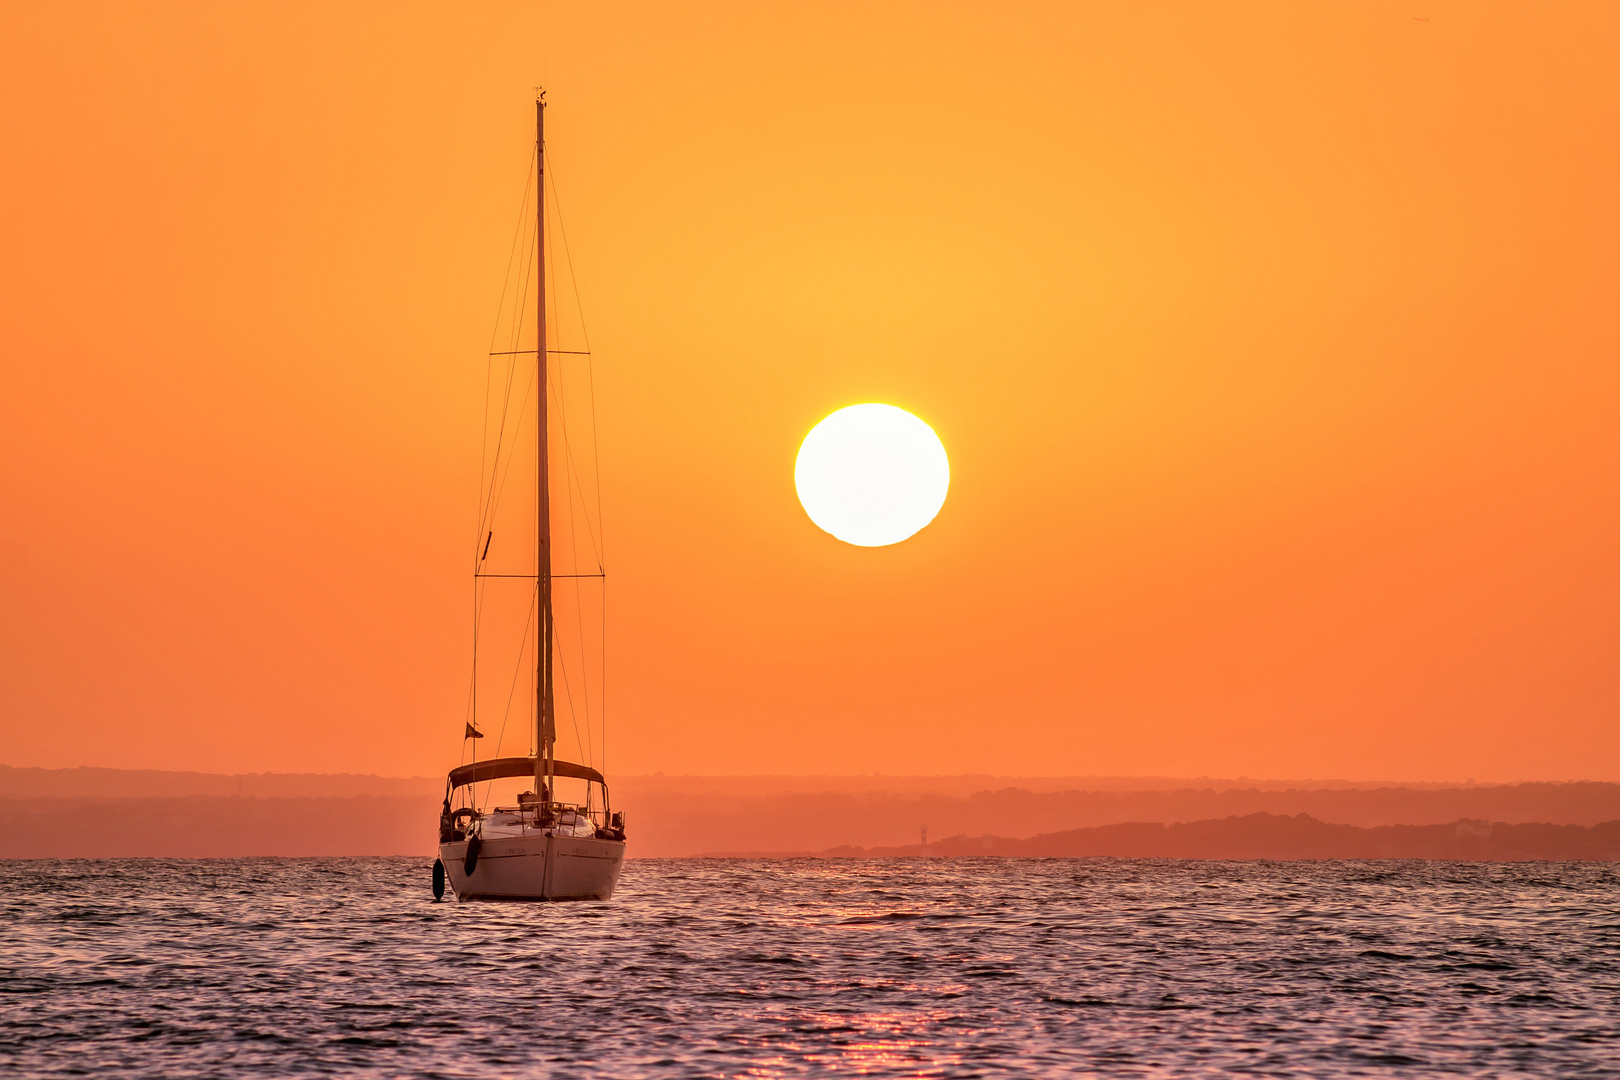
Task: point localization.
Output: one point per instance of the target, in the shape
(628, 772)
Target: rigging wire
(518, 233)
(492, 498)
(483, 445)
(479, 586)
(506, 715)
(596, 455)
(498, 478)
(523, 407)
(570, 482)
(496, 463)
(568, 695)
(573, 464)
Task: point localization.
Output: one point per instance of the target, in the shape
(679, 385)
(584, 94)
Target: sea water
(911, 967)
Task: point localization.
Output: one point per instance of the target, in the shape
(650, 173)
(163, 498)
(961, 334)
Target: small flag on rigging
(473, 733)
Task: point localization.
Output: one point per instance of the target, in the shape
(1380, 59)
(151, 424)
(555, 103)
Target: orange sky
(1275, 353)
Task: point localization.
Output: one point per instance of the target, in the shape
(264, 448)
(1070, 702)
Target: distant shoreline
(108, 813)
(1270, 837)
(203, 828)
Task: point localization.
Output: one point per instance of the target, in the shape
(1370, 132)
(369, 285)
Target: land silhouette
(1275, 836)
(114, 813)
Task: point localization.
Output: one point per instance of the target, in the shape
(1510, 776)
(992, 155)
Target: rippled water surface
(814, 968)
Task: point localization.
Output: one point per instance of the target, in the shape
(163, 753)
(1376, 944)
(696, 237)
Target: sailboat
(541, 847)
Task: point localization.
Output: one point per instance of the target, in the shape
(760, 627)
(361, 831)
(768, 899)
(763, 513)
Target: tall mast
(545, 704)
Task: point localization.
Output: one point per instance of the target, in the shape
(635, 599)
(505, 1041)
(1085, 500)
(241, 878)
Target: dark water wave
(811, 968)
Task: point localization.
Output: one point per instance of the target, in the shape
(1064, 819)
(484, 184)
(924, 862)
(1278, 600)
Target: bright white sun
(872, 474)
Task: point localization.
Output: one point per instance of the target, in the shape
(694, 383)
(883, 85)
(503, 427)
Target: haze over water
(995, 967)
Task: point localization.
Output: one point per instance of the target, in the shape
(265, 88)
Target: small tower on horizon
(923, 849)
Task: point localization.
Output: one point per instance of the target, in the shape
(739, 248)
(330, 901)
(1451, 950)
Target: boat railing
(535, 815)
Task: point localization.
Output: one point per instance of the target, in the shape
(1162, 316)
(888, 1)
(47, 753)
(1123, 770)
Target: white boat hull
(535, 867)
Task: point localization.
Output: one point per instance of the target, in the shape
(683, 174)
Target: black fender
(438, 880)
(470, 863)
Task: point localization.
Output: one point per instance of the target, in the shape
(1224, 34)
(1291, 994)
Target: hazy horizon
(156, 813)
(1036, 781)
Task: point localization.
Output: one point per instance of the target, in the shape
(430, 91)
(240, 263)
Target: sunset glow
(1272, 345)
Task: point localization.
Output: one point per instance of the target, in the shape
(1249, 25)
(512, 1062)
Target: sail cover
(503, 767)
